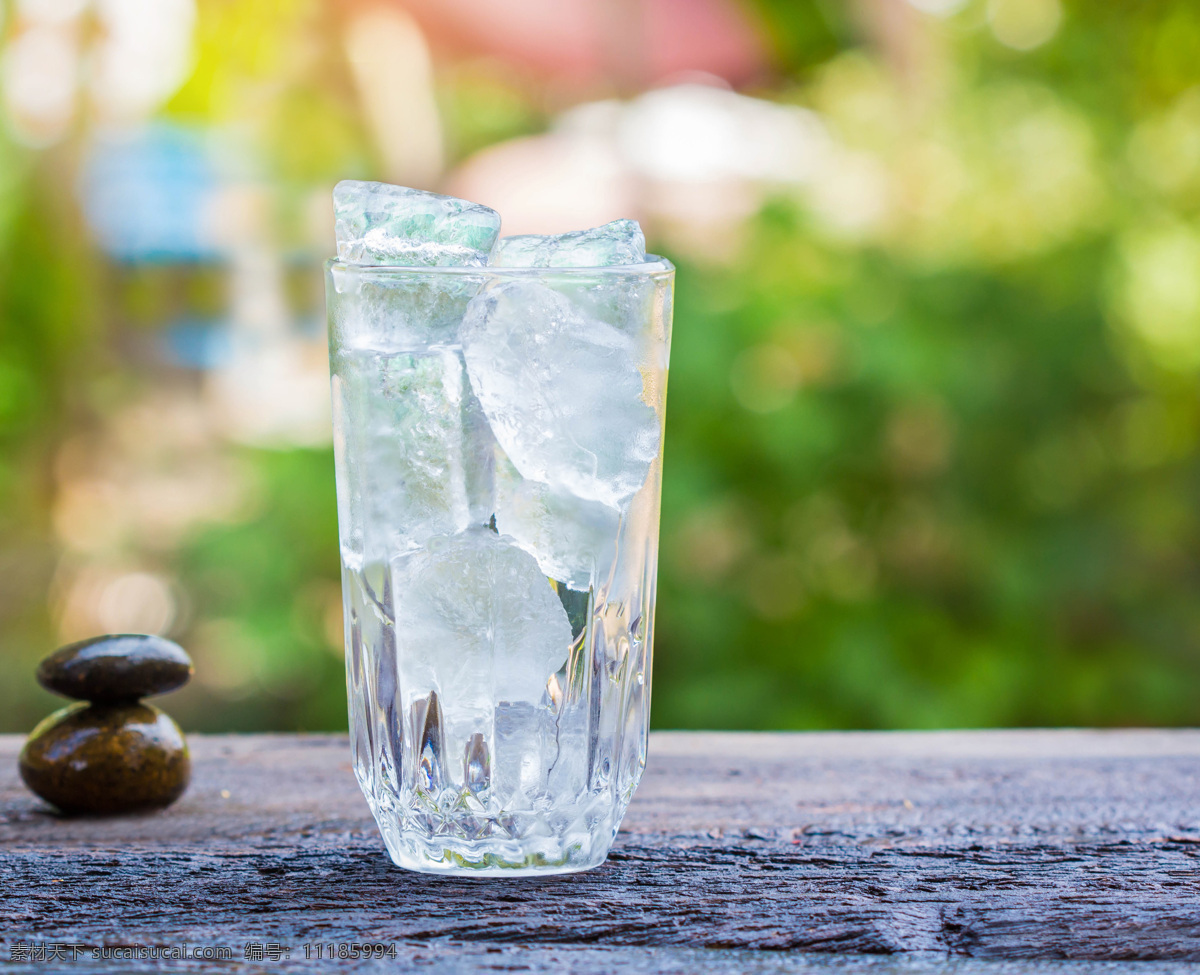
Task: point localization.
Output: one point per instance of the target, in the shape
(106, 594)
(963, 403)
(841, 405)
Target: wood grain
(1003, 845)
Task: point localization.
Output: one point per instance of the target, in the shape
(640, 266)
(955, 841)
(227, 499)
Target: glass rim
(654, 266)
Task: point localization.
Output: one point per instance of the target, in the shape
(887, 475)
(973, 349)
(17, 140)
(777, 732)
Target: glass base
(545, 856)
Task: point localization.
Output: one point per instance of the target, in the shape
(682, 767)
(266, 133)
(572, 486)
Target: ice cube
(561, 390)
(378, 223)
(525, 749)
(408, 455)
(393, 312)
(479, 457)
(477, 621)
(619, 242)
(572, 538)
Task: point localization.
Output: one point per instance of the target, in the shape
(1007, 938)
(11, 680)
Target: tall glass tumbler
(498, 438)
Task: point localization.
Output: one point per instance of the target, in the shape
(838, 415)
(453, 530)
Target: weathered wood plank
(1018, 845)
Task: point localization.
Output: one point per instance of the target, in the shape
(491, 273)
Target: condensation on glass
(498, 437)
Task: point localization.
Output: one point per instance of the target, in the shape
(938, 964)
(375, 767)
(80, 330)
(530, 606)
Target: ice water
(498, 446)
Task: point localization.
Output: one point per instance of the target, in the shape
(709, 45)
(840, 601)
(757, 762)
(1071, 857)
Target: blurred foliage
(805, 34)
(939, 467)
(954, 521)
(482, 104)
(950, 475)
(266, 590)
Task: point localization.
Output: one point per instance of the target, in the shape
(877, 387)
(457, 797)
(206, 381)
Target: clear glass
(498, 439)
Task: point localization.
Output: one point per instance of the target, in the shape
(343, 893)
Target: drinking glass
(498, 444)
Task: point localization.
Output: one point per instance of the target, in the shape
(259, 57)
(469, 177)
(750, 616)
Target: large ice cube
(393, 312)
(561, 390)
(377, 223)
(619, 242)
(477, 621)
(409, 455)
(572, 538)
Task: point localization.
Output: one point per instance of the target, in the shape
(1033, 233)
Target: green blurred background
(933, 451)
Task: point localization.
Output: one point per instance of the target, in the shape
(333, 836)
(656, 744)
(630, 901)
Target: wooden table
(916, 848)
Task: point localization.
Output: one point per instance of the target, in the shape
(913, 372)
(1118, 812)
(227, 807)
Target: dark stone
(105, 759)
(116, 669)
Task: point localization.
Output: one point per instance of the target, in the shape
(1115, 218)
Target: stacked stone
(110, 753)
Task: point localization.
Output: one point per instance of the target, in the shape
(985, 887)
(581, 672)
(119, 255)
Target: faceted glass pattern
(498, 440)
